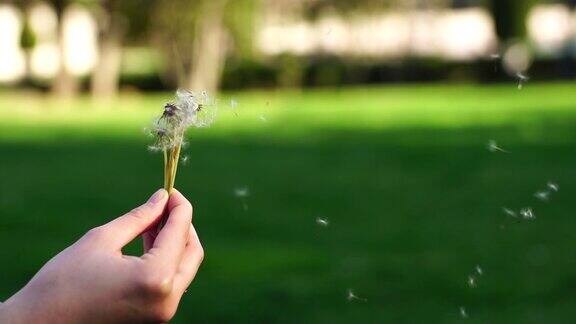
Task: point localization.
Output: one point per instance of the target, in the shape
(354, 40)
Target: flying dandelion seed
(262, 118)
(322, 222)
(471, 281)
(492, 146)
(463, 312)
(185, 159)
(233, 103)
(509, 212)
(527, 213)
(552, 186)
(351, 296)
(479, 270)
(522, 79)
(329, 32)
(242, 192)
(542, 195)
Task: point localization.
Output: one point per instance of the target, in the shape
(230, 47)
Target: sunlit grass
(291, 114)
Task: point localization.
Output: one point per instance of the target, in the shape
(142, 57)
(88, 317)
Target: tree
(112, 27)
(65, 84)
(510, 17)
(27, 38)
(196, 37)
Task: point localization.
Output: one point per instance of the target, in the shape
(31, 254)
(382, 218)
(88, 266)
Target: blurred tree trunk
(106, 74)
(64, 84)
(27, 40)
(510, 17)
(209, 50)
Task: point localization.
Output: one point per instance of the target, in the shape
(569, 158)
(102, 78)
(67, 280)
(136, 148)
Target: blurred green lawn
(413, 197)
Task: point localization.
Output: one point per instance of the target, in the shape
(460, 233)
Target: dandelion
(351, 296)
(322, 221)
(542, 195)
(527, 213)
(522, 79)
(552, 186)
(463, 312)
(188, 110)
(492, 146)
(509, 212)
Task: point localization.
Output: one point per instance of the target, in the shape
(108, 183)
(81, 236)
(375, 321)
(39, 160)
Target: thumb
(127, 227)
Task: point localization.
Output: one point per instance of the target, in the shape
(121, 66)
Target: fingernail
(157, 196)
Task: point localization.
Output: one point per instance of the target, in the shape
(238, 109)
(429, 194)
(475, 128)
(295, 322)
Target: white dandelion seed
(527, 213)
(233, 103)
(542, 195)
(522, 79)
(509, 212)
(495, 56)
(479, 270)
(185, 159)
(322, 221)
(463, 312)
(351, 296)
(263, 118)
(492, 146)
(472, 281)
(552, 186)
(242, 192)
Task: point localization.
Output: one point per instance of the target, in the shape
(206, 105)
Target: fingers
(191, 260)
(126, 228)
(170, 242)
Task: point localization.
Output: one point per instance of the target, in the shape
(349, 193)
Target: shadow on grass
(411, 213)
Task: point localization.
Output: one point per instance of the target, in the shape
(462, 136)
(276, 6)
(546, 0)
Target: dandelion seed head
(188, 110)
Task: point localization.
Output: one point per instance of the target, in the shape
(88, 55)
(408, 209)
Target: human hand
(93, 282)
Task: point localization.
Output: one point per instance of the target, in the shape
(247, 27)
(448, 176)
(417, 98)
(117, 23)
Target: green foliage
(27, 36)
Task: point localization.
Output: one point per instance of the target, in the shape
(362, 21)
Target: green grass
(413, 197)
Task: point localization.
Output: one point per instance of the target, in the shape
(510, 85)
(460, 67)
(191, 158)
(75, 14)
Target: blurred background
(375, 161)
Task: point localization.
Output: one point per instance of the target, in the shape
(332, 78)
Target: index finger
(171, 241)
